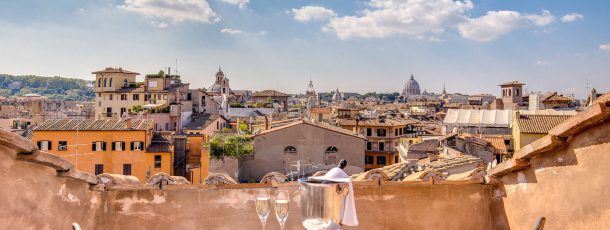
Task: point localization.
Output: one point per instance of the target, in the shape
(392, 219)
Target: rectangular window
(146, 97)
(189, 96)
(98, 146)
(62, 146)
(381, 160)
(44, 145)
(396, 132)
(109, 112)
(381, 132)
(164, 97)
(123, 97)
(137, 145)
(369, 160)
(99, 169)
(395, 159)
(118, 146)
(381, 146)
(127, 169)
(157, 161)
(369, 132)
(110, 97)
(369, 145)
(136, 97)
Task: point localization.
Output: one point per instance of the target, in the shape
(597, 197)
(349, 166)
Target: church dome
(411, 87)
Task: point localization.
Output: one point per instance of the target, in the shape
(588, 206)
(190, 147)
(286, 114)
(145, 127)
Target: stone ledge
(594, 114)
(542, 145)
(78, 175)
(47, 159)
(508, 166)
(18, 143)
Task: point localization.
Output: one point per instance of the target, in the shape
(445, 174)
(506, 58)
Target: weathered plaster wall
(569, 187)
(393, 206)
(32, 196)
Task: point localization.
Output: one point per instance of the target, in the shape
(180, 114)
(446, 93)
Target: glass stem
(282, 225)
(263, 221)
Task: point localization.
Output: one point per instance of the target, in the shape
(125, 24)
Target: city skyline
(473, 46)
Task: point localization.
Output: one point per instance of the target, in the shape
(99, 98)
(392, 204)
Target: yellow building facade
(105, 146)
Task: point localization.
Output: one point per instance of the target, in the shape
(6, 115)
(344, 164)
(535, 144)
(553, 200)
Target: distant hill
(68, 89)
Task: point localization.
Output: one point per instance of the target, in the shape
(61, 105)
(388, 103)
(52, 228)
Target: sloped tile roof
(375, 122)
(269, 93)
(447, 163)
(539, 124)
(93, 125)
(115, 70)
(498, 143)
(203, 121)
(556, 97)
(319, 125)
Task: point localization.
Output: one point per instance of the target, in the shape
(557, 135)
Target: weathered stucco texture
(379, 207)
(32, 196)
(569, 187)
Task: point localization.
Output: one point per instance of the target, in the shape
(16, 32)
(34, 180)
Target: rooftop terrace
(562, 177)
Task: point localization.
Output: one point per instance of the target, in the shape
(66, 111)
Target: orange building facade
(383, 136)
(105, 146)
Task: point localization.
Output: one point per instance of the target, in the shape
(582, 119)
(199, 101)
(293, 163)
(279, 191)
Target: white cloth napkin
(350, 218)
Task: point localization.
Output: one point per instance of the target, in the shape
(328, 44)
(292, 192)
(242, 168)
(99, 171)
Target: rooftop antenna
(176, 66)
(587, 87)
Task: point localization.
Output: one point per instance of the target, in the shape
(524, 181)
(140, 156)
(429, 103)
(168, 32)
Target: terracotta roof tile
(93, 125)
(376, 122)
(269, 93)
(498, 143)
(539, 124)
(319, 125)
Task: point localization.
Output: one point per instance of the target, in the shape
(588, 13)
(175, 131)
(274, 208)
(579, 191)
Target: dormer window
(290, 149)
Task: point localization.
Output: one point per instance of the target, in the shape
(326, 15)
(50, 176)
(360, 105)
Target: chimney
(129, 123)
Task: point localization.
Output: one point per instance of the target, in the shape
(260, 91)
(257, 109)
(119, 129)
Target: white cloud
(572, 17)
(541, 20)
(230, 31)
(392, 17)
(431, 18)
(172, 12)
(605, 47)
(542, 62)
(262, 32)
(497, 23)
(313, 13)
(241, 3)
(491, 26)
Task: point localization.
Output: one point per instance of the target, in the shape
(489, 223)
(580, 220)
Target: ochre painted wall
(86, 159)
(569, 187)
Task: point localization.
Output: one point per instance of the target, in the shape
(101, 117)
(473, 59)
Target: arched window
(331, 149)
(110, 82)
(290, 149)
(99, 82)
(105, 81)
(516, 92)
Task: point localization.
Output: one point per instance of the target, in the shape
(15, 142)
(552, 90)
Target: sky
(353, 45)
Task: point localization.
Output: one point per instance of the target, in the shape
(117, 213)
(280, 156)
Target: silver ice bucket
(322, 203)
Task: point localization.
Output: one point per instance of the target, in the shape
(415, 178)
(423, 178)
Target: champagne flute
(281, 206)
(263, 205)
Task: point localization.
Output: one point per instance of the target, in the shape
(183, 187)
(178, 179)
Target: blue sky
(356, 46)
